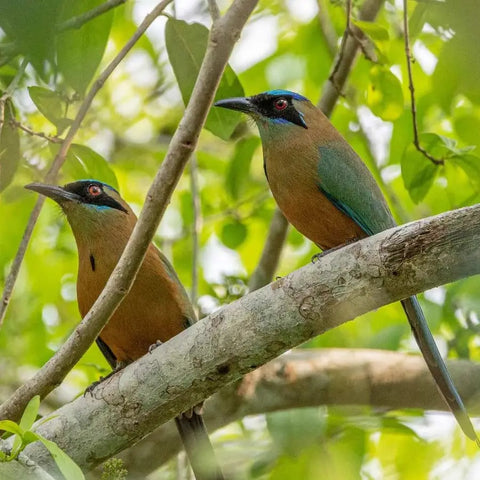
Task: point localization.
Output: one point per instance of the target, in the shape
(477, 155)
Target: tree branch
(307, 378)
(346, 57)
(80, 20)
(209, 355)
(224, 34)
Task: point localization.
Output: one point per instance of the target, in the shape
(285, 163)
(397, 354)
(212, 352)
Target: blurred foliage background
(287, 44)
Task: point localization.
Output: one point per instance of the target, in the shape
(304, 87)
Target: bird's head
(88, 204)
(274, 111)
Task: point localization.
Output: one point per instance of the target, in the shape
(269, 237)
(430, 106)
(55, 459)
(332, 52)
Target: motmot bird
(156, 308)
(326, 191)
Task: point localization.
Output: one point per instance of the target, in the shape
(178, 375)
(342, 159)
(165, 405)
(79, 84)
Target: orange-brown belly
(150, 312)
(313, 215)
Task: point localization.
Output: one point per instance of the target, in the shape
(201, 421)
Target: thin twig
(214, 10)
(345, 36)
(62, 153)
(33, 133)
(80, 20)
(196, 227)
(411, 87)
(224, 33)
(345, 59)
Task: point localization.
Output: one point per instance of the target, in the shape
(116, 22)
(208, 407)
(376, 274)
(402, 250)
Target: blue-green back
(348, 183)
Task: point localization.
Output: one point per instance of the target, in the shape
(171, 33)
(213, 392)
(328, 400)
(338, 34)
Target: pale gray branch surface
(224, 33)
(211, 354)
(22, 469)
(305, 378)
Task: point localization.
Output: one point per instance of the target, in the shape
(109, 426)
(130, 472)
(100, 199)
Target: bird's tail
(198, 447)
(437, 366)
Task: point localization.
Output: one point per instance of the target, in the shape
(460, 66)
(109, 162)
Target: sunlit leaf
(11, 427)
(9, 147)
(186, 46)
(79, 51)
(30, 413)
(384, 95)
(373, 29)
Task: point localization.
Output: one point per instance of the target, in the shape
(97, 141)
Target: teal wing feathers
(348, 184)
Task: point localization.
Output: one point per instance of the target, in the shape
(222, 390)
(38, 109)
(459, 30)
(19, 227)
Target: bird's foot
(94, 385)
(152, 347)
(318, 256)
(197, 409)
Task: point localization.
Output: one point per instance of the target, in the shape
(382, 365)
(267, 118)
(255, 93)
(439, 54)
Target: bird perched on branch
(156, 308)
(326, 192)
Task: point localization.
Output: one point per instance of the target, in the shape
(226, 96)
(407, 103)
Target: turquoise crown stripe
(294, 95)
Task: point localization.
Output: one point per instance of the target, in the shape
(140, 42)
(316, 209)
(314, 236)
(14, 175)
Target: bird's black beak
(54, 192)
(241, 104)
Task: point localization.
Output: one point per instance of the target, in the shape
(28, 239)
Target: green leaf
(186, 46)
(239, 168)
(83, 162)
(11, 427)
(9, 147)
(30, 413)
(372, 29)
(50, 104)
(442, 147)
(79, 51)
(31, 25)
(234, 234)
(470, 164)
(66, 465)
(418, 173)
(384, 94)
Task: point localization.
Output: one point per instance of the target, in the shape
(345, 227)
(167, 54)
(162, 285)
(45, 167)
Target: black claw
(152, 347)
(94, 385)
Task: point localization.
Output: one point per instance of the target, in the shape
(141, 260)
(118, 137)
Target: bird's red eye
(94, 190)
(280, 104)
